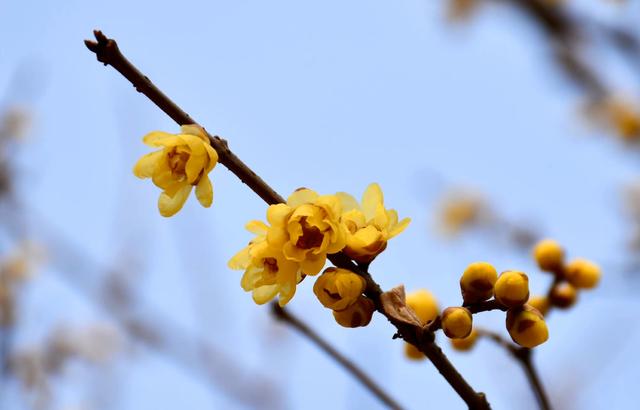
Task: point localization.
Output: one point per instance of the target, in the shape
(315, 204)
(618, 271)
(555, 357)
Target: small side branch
(285, 316)
(524, 357)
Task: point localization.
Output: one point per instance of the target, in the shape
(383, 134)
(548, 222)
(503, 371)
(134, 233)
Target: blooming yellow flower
(369, 225)
(267, 272)
(307, 228)
(184, 161)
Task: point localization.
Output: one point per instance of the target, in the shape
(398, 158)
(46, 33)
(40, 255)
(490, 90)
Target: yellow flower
(457, 322)
(466, 343)
(338, 288)
(357, 315)
(512, 288)
(267, 272)
(307, 228)
(549, 255)
(541, 303)
(582, 273)
(526, 326)
(184, 161)
(477, 282)
(424, 304)
(370, 225)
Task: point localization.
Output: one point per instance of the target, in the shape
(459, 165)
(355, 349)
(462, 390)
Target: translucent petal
(162, 139)
(257, 227)
(370, 199)
(146, 165)
(264, 294)
(301, 196)
(347, 201)
(313, 265)
(240, 260)
(278, 214)
(204, 191)
(399, 227)
(168, 206)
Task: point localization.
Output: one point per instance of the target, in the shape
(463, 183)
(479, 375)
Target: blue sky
(329, 95)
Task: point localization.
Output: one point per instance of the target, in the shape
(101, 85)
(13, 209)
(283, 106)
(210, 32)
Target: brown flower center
(178, 162)
(311, 236)
(271, 264)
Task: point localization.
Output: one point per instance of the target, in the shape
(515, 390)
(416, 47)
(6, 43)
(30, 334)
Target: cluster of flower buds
(568, 277)
(480, 282)
(300, 235)
(341, 291)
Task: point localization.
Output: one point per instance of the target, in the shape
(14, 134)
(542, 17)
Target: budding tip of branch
(91, 45)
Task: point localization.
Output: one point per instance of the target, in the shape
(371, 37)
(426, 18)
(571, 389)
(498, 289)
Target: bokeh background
(329, 95)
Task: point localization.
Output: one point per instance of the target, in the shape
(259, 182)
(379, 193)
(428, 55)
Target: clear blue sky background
(330, 95)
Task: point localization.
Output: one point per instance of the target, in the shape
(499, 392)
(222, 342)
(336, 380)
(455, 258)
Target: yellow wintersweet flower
(307, 228)
(369, 225)
(267, 272)
(184, 161)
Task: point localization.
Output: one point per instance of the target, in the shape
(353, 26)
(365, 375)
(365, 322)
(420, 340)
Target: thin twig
(107, 52)
(524, 357)
(286, 316)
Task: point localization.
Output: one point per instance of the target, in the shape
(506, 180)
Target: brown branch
(524, 357)
(348, 365)
(107, 52)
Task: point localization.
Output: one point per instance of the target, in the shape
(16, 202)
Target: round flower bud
(424, 304)
(338, 288)
(357, 315)
(541, 303)
(465, 344)
(563, 295)
(549, 255)
(412, 352)
(457, 322)
(512, 288)
(527, 326)
(477, 282)
(582, 273)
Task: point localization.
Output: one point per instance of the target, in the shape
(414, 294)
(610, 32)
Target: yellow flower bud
(549, 255)
(338, 288)
(527, 326)
(457, 322)
(412, 352)
(512, 288)
(582, 273)
(477, 282)
(357, 315)
(541, 303)
(466, 343)
(563, 295)
(424, 304)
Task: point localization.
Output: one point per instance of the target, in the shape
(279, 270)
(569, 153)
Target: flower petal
(204, 191)
(370, 199)
(257, 227)
(162, 139)
(146, 165)
(168, 206)
(347, 201)
(301, 196)
(263, 294)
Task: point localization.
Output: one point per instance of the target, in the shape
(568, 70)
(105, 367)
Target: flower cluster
(300, 235)
(569, 277)
(510, 290)
(184, 161)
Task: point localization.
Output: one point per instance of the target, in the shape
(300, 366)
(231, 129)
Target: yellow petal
(145, 166)
(161, 139)
(168, 206)
(399, 227)
(193, 129)
(370, 199)
(240, 260)
(278, 214)
(347, 201)
(301, 196)
(257, 227)
(312, 265)
(264, 294)
(204, 191)
(213, 157)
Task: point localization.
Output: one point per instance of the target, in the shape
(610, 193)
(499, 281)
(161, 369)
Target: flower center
(311, 236)
(178, 162)
(271, 264)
